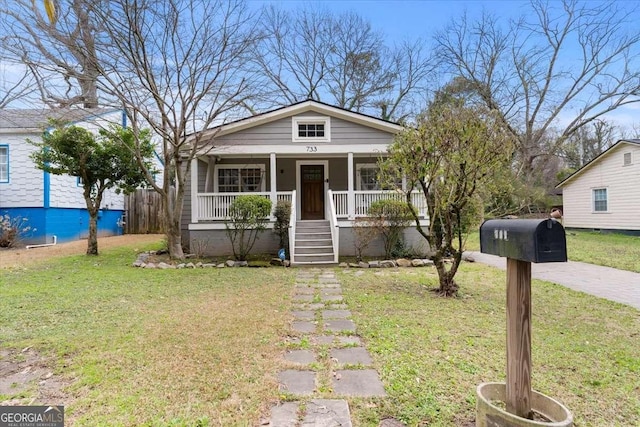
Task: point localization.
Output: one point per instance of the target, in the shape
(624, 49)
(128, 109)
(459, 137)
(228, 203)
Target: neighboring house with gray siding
(321, 158)
(605, 193)
(52, 204)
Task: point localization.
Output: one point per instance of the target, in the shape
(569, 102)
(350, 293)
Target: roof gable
(633, 142)
(37, 119)
(300, 108)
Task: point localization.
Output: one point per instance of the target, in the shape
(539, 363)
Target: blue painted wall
(66, 224)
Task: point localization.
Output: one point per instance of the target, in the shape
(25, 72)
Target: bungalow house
(321, 158)
(52, 204)
(605, 193)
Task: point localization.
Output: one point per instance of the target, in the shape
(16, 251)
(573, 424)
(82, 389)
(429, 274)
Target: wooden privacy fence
(143, 212)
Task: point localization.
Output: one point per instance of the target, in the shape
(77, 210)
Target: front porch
(332, 190)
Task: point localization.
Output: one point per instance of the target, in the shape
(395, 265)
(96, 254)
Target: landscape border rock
(142, 261)
(389, 263)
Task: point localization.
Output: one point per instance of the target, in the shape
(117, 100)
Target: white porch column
(351, 197)
(194, 190)
(273, 174)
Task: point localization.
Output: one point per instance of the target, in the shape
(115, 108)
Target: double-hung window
(4, 163)
(368, 178)
(240, 178)
(600, 202)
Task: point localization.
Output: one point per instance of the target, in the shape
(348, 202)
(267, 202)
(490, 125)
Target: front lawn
(432, 352)
(608, 249)
(148, 347)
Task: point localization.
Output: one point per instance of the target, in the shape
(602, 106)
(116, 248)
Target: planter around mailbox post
(521, 241)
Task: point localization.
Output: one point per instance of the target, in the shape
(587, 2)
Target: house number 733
(311, 148)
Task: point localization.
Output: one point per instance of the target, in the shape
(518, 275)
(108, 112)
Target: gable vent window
(627, 159)
(311, 129)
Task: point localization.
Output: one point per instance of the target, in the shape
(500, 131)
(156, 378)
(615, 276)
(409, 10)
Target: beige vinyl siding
(623, 192)
(279, 132)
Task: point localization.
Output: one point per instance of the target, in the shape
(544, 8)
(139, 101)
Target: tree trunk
(92, 243)
(448, 286)
(173, 232)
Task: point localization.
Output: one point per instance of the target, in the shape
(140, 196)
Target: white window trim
(318, 120)
(261, 166)
(359, 168)
(2, 181)
(593, 200)
(630, 159)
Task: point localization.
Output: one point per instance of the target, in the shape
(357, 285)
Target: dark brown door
(312, 201)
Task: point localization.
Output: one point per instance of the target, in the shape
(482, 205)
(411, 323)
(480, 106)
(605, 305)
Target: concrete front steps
(313, 243)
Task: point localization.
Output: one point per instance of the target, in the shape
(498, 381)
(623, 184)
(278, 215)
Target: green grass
(432, 352)
(608, 249)
(151, 347)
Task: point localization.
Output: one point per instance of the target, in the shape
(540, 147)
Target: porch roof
(317, 150)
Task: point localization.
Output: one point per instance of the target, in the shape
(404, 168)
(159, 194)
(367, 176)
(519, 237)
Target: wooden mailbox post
(521, 241)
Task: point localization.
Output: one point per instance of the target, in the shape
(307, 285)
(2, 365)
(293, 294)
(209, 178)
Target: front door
(312, 201)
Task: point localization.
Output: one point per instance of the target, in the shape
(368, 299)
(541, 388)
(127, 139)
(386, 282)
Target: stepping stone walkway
(325, 358)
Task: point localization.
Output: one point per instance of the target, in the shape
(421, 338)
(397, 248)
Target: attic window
(311, 129)
(627, 159)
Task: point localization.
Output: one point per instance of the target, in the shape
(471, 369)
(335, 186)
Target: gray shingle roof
(37, 118)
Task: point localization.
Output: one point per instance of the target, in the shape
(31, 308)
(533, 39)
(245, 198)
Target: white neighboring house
(52, 204)
(321, 158)
(605, 193)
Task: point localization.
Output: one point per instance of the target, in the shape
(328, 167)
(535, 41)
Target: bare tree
(339, 59)
(589, 142)
(176, 67)
(16, 83)
(60, 54)
(563, 65)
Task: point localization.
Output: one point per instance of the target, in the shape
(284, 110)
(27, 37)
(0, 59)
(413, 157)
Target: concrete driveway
(604, 282)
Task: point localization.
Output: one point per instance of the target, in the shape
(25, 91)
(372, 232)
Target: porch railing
(364, 199)
(215, 206)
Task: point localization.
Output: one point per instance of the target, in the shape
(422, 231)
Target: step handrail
(292, 228)
(333, 223)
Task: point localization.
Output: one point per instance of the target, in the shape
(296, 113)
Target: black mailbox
(531, 240)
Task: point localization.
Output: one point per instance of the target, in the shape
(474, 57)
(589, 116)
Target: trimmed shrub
(248, 216)
(364, 232)
(282, 213)
(390, 217)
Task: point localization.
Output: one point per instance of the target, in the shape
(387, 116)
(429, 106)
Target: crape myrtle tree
(451, 155)
(102, 162)
(548, 74)
(176, 66)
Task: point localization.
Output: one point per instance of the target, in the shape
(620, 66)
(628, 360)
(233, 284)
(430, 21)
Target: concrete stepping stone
(304, 327)
(304, 315)
(336, 314)
(360, 383)
(304, 291)
(351, 356)
(303, 298)
(297, 382)
(327, 413)
(331, 291)
(340, 325)
(331, 298)
(284, 415)
(301, 357)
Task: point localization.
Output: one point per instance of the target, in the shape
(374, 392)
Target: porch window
(4, 163)
(239, 179)
(311, 129)
(600, 200)
(368, 178)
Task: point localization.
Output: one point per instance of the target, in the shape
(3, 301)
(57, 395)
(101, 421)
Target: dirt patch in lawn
(21, 257)
(26, 371)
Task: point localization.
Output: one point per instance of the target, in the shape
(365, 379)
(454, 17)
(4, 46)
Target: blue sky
(413, 19)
